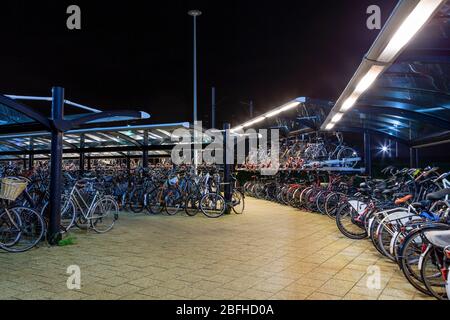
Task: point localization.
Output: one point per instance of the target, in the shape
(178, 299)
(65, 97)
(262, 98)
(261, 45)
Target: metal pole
(31, 156)
(54, 234)
(228, 167)
(88, 163)
(367, 153)
(145, 151)
(195, 69)
(195, 93)
(82, 155)
(213, 107)
(128, 160)
(195, 14)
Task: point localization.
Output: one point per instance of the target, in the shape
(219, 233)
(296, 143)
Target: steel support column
(228, 165)
(54, 234)
(128, 160)
(31, 155)
(145, 151)
(82, 155)
(413, 157)
(368, 153)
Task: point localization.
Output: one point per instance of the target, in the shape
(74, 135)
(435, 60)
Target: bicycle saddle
(438, 238)
(404, 199)
(438, 195)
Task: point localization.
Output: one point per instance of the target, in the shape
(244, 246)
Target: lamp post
(195, 14)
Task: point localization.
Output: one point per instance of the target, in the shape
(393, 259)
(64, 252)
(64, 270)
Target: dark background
(138, 54)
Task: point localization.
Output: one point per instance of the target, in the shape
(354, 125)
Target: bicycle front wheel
(10, 229)
(104, 214)
(137, 201)
(173, 202)
(192, 206)
(212, 205)
(32, 229)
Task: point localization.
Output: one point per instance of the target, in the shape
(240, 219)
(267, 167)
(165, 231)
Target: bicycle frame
(79, 206)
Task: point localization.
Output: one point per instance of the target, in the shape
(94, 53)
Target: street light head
(194, 13)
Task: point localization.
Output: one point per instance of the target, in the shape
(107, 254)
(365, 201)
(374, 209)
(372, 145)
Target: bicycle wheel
(192, 206)
(104, 214)
(346, 221)
(68, 214)
(331, 204)
(320, 201)
(212, 205)
(347, 153)
(173, 202)
(431, 273)
(154, 205)
(385, 233)
(137, 201)
(32, 229)
(238, 202)
(409, 257)
(10, 229)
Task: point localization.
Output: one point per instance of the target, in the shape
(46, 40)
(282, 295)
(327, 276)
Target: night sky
(138, 55)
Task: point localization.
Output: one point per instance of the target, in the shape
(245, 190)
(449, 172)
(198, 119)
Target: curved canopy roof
(25, 130)
(410, 101)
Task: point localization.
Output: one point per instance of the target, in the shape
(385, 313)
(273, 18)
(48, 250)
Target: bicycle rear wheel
(409, 257)
(68, 214)
(431, 273)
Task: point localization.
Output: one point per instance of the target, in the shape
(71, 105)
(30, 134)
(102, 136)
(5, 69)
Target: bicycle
(21, 228)
(100, 212)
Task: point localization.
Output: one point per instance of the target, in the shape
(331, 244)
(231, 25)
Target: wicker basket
(11, 188)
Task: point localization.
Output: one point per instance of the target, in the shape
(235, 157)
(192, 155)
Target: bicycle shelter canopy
(114, 135)
(410, 101)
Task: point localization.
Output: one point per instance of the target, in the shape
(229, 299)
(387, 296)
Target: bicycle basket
(11, 188)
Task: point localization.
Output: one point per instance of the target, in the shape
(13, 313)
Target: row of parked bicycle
(299, 154)
(406, 216)
(93, 200)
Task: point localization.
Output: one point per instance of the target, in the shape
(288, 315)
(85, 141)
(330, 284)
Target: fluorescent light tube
(337, 117)
(349, 103)
(254, 121)
(290, 106)
(368, 79)
(274, 113)
(416, 19)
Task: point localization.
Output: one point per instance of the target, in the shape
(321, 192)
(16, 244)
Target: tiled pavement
(269, 252)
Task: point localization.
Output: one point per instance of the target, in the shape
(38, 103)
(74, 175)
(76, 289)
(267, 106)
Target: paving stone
(269, 252)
